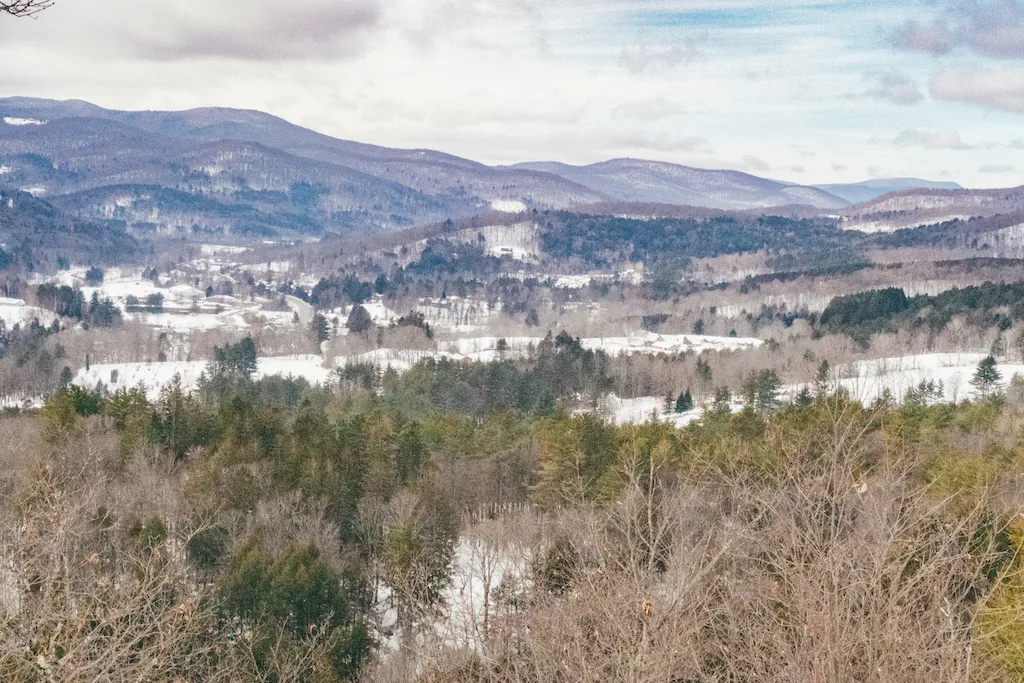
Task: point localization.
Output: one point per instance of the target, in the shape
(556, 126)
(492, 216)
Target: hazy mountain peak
(870, 189)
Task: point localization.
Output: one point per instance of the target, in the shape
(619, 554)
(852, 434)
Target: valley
(431, 371)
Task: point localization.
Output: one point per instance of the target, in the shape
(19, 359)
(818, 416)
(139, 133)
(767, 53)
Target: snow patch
(15, 121)
(220, 249)
(508, 205)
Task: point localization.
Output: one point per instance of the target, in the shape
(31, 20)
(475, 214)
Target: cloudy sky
(800, 90)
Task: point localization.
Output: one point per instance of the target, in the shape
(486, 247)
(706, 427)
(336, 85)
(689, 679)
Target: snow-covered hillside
(866, 380)
(155, 376)
(652, 343)
(17, 312)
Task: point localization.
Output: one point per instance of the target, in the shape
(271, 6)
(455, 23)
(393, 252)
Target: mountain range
(246, 173)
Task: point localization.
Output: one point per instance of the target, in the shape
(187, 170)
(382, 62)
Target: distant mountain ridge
(225, 166)
(245, 173)
(867, 190)
(928, 206)
(636, 180)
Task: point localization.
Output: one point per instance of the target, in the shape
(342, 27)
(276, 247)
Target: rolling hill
(247, 174)
(636, 180)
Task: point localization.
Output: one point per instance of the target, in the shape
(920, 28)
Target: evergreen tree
(236, 359)
(704, 375)
(722, 404)
(359, 320)
(822, 380)
(670, 402)
(986, 377)
(181, 424)
(767, 386)
(94, 276)
(685, 402)
(155, 303)
(319, 328)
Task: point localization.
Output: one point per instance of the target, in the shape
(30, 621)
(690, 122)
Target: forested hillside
(36, 235)
(269, 530)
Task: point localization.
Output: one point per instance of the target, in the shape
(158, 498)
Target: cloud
(301, 29)
(638, 59)
(756, 164)
(995, 88)
(190, 30)
(996, 168)
(896, 89)
(940, 139)
(934, 38)
(493, 25)
(991, 28)
(650, 110)
(656, 143)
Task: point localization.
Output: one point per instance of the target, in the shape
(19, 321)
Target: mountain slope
(635, 180)
(34, 234)
(241, 172)
(416, 185)
(912, 208)
(871, 189)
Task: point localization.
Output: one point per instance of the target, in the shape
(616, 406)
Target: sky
(808, 91)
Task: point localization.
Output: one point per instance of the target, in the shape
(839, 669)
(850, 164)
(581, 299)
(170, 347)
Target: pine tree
(821, 380)
(685, 402)
(670, 402)
(319, 328)
(769, 384)
(704, 375)
(986, 377)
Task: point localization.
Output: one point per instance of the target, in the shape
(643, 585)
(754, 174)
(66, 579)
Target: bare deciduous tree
(24, 8)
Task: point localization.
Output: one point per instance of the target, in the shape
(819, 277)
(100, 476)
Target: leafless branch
(24, 8)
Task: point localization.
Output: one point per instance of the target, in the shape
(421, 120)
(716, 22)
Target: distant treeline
(886, 310)
(604, 240)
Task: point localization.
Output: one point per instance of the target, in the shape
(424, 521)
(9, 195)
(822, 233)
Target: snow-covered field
(652, 343)
(866, 380)
(622, 411)
(221, 250)
(456, 312)
(17, 312)
(155, 376)
(580, 281)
